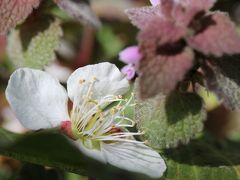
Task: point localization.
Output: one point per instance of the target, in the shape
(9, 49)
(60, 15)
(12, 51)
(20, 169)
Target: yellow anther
(81, 81)
(114, 110)
(119, 97)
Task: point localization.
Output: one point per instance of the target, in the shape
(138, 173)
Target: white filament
(91, 120)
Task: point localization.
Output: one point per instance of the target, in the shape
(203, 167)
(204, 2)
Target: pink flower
(129, 71)
(130, 55)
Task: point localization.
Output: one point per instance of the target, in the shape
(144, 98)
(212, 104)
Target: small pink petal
(66, 128)
(155, 2)
(130, 55)
(129, 71)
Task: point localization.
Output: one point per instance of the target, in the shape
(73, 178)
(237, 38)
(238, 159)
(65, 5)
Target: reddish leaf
(140, 16)
(217, 39)
(14, 11)
(165, 59)
(79, 10)
(185, 10)
(158, 33)
(2, 46)
(182, 12)
(162, 73)
(167, 7)
(199, 4)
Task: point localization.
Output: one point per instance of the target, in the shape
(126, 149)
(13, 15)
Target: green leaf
(223, 78)
(111, 43)
(168, 121)
(6, 138)
(53, 149)
(34, 43)
(204, 158)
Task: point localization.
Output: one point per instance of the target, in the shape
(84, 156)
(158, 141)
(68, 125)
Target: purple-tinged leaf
(185, 11)
(199, 4)
(14, 11)
(162, 73)
(165, 59)
(223, 78)
(79, 10)
(182, 12)
(158, 33)
(218, 38)
(140, 16)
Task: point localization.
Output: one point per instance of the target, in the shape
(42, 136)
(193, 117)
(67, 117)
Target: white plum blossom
(95, 124)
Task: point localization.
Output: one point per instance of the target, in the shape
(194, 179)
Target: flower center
(95, 120)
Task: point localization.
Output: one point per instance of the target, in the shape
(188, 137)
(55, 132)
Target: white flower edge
(40, 102)
(37, 99)
(110, 81)
(133, 157)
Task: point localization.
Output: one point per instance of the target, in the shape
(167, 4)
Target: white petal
(92, 153)
(38, 100)
(134, 157)
(109, 81)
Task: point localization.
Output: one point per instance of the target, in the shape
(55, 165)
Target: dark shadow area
(180, 105)
(229, 6)
(230, 67)
(171, 49)
(35, 24)
(201, 22)
(37, 172)
(55, 150)
(223, 77)
(206, 151)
